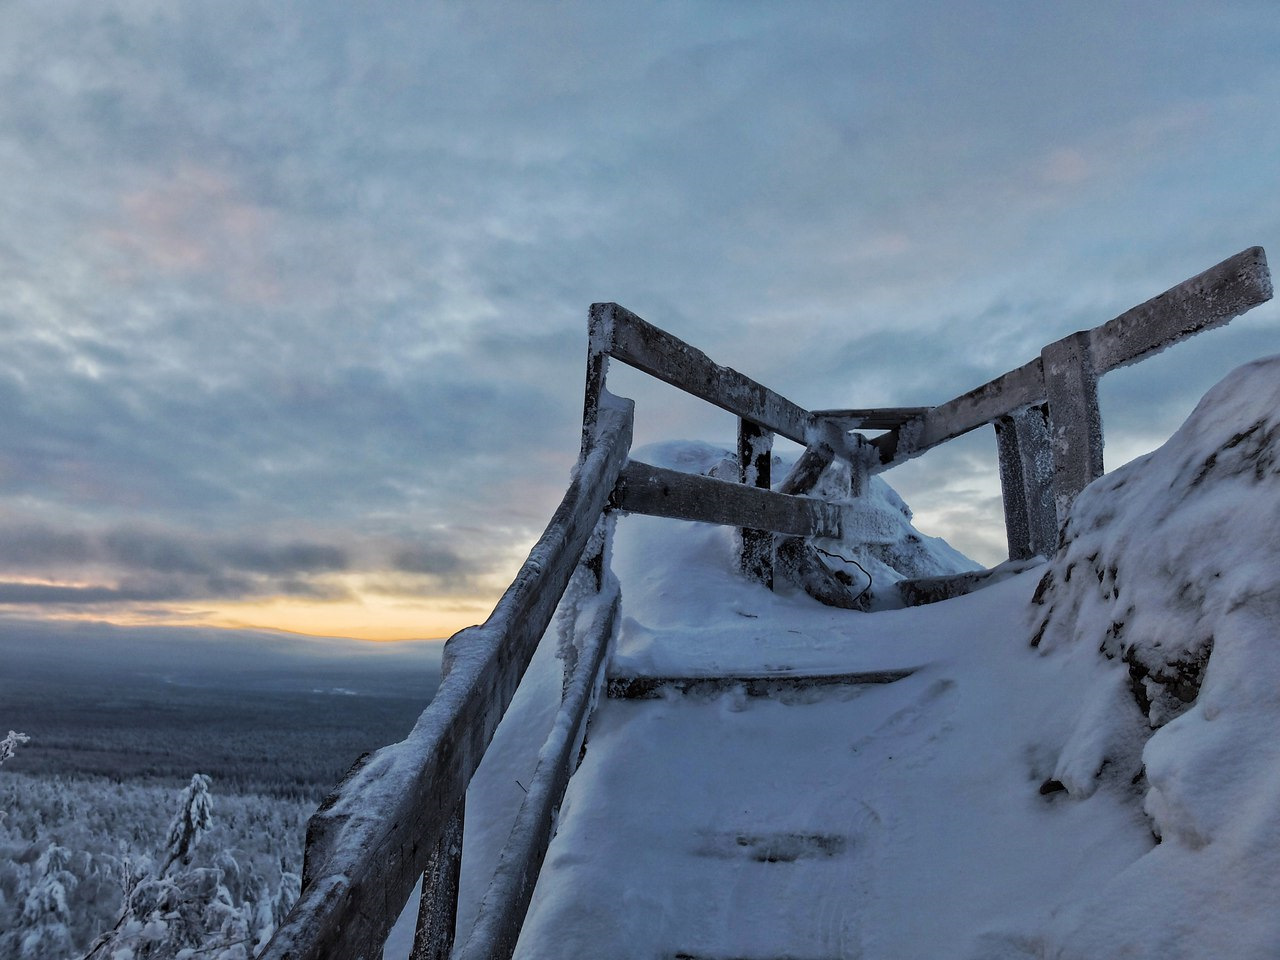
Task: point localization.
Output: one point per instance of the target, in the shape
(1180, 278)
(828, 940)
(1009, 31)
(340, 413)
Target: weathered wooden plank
(1026, 482)
(755, 469)
(599, 325)
(1209, 299)
(978, 407)
(1075, 421)
(370, 841)
(642, 345)
(659, 492)
(502, 912)
(754, 685)
(870, 418)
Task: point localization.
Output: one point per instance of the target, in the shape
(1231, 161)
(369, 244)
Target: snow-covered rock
(1169, 569)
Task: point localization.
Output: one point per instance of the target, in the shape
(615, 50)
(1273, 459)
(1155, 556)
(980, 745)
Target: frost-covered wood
(599, 325)
(1207, 300)
(1026, 482)
(497, 927)
(871, 418)
(971, 410)
(1075, 422)
(755, 469)
(659, 492)
(642, 345)
(371, 840)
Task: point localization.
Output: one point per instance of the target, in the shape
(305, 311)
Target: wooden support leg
(438, 908)
(1026, 481)
(755, 458)
(861, 454)
(1075, 423)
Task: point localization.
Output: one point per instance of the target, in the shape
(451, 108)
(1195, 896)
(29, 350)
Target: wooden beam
(754, 685)
(370, 841)
(659, 492)
(1209, 299)
(870, 418)
(642, 345)
(1075, 421)
(978, 407)
(1026, 482)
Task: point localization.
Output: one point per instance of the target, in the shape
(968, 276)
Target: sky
(293, 296)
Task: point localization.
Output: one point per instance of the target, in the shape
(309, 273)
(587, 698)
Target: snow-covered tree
(9, 744)
(46, 919)
(179, 909)
(195, 815)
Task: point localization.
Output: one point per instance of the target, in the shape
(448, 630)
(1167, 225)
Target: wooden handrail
(1207, 300)
(370, 841)
(660, 492)
(640, 344)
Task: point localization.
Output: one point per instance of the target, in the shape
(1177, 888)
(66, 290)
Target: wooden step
(758, 685)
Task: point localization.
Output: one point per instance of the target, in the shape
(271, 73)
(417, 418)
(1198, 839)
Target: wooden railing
(397, 817)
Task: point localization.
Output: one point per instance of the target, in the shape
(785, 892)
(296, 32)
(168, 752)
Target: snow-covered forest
(154, 800)
(80, 855)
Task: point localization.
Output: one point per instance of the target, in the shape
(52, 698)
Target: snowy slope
(993, 804)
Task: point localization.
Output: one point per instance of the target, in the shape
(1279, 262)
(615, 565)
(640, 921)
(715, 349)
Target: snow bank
(1169, 573)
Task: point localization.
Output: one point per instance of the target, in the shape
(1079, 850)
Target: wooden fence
(397, 817)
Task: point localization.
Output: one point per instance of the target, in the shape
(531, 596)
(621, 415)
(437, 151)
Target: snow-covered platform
(899, 819)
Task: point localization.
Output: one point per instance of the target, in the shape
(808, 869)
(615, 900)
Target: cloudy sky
(293, 296)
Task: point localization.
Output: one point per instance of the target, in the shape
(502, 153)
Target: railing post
(860, 455)
(599, 341)
(1075, 423)
(438, 907)
(755, 459)
(1026, 482)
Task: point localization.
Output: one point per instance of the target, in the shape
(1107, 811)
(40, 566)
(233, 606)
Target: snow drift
(1169, 570)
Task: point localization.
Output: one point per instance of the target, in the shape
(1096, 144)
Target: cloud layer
(293, 300)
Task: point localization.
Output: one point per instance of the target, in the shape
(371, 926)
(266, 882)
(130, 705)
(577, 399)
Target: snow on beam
(368, 844)
(659, 492)
(1209, 299)
(642, 345)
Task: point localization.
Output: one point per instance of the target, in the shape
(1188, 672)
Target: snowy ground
(1081, 765)
(899, 820)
